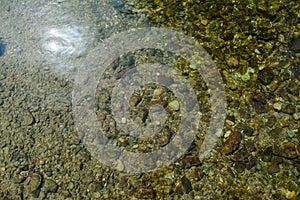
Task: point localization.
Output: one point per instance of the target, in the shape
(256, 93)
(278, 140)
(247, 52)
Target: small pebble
(229, 122)
(70, 185)
(120, 165)
(296, 116)
(97, 195)
(157, 92)
(291, 195)
(277, 106)
(65, 193)
(232, 62)
(291, 134)
(50, 186)
(227, 134)
(174, 105)
(134, 100)
(204, 22)
(123, 120)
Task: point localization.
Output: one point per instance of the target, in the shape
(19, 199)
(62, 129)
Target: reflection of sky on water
(48, 33)
(63, 41)
(64, 34)
(57, 34)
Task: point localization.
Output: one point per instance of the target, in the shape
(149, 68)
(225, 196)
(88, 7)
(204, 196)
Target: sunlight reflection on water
(48, 34)
(63, 41)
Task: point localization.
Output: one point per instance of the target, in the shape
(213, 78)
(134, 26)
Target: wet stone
(179, 189)
(145, 193)
(294, 88)
(65, 193)
(174, 105)
(232, 143)
(95, 186)
(289, 109)
(260, 104)
(18, 178)
(50, 186)
(35, 182)
(252, 162)
(26, 118)
(273, 168)
(277, 160)
(232, 62)
(275, 149)
(230, 118)
(296, 116)
(135, 100)
(294, 44)
(250, 146)
(239, 167)
(186, 183)
(284, 123)
(117, 4)
(277, 106)
(157, 92)
(189, 161)
(266, 76)
(271, 121)
(297, 73)
(288, 150)
(241, 155)
(245, 129)
(276, 132)
(266, 154)
(127, 60)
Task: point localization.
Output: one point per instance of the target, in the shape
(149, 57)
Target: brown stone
(190, 161)
(145, 193)
(274, 168)
(260, 104)
(232, 143)
(288, 150)
(232, 62)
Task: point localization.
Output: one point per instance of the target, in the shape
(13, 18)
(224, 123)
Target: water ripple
(63, 41)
